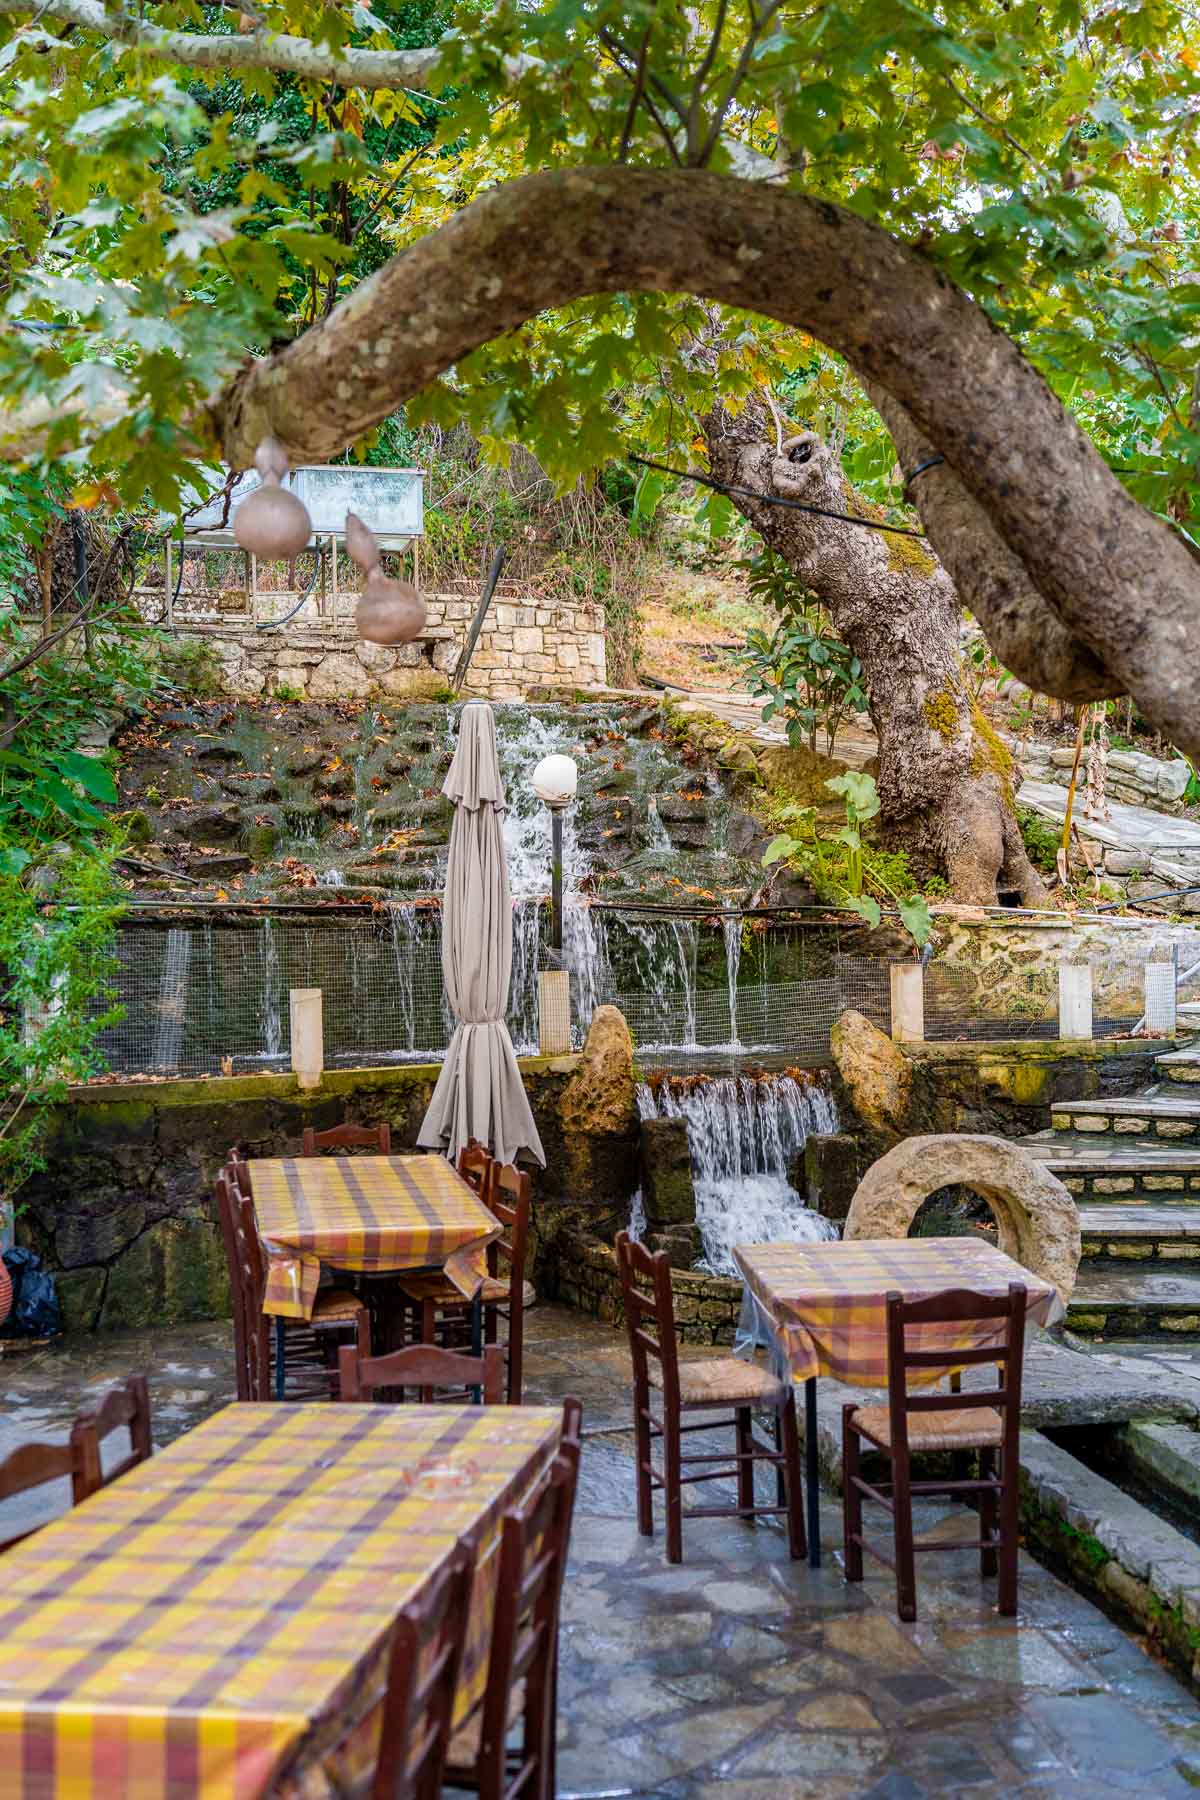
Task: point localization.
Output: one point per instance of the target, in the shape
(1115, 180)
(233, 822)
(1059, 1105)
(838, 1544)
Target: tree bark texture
(945, 784)
(1119, 580)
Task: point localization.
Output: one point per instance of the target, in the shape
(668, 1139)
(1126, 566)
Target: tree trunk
(945, 780)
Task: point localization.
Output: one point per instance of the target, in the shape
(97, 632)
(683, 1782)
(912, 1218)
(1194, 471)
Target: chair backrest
(510, 1199)
(237, 1166)
(423, 1666)
(36, 1465)
(477, 1165)
(649, 1316)
(348, 1137)
(533, 1558)
(425, 1366)
(123, 1408)
(247, 1287)
(914, 1325)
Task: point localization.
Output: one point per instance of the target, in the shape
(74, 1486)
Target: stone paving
(740, 1674)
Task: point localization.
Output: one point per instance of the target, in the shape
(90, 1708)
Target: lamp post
(555, 781)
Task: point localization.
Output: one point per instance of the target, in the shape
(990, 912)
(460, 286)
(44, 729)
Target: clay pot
(389, 612)
(272, 523)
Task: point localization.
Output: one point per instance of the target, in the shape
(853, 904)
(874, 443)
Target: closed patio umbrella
(479, 1093)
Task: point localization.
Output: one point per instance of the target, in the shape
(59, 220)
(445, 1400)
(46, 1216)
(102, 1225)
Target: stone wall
(1006, 964)
(1131, 776)
(580, 1270)
(123, 1209)
(525, 642)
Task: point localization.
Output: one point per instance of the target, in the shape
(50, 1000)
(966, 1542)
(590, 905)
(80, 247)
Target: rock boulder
(876, 1073)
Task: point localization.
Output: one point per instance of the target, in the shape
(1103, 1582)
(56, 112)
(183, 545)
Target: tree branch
(1118, 579)
(417, 69)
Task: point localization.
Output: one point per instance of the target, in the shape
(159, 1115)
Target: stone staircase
(1134, 1168)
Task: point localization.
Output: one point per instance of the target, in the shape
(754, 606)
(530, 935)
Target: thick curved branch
(1026, 634)
(1117, 578)
(242, 50)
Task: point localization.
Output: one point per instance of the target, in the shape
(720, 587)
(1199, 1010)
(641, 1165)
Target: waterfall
(172, 1001)
(403, 920)
(272, 982)
(744, 1132)
(731, 925)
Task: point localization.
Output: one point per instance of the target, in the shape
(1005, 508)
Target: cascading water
(172, 1001)
(731, 925)
(272, 983)
(744, 1132)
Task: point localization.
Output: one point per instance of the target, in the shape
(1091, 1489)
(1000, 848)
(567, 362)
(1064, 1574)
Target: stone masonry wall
(525, 642)
(123, 1210)
(1006, 964)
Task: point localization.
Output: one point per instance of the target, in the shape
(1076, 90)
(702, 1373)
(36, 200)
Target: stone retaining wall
(525, 641)
(1131, 776)
(1006, 964)
(581, 1271)
(123, 1210)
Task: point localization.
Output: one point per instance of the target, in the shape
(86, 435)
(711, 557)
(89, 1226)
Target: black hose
(274, 624)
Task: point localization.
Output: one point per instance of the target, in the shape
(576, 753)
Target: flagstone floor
(741, 1675)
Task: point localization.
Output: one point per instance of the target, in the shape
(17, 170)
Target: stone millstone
(876, 1072)
(1037, 1218)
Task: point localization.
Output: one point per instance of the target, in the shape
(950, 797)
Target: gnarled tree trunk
(945, 781)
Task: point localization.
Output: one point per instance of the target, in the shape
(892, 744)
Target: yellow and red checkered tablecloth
(367, 1213)
(826, 1303)
(216, 1623)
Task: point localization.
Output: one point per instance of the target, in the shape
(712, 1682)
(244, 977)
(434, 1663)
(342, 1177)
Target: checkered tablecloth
(367, 1213)
(216, 1623)
(825, 1304)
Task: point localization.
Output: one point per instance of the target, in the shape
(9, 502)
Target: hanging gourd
(389, 612)
(272, 523)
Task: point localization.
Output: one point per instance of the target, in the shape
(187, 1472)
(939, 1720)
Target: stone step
(1141, 1301)
(1141, 1233)
(1126, 1171)
(1179, 1065)
(1164, 1112)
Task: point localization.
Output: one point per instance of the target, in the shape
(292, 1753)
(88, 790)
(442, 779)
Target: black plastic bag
(36, 1312)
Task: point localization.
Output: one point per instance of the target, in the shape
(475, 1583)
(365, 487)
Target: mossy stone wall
(124, 1213)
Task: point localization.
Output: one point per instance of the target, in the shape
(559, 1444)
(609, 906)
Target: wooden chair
(124, 1408)
(694, 1387)
(36, 1465)
(522, 1683)
(297, 1343)
(451, 1373)
(476, 1165)
(422, 1679)
(508, 1194)
(348, 1137)
(983, 1419)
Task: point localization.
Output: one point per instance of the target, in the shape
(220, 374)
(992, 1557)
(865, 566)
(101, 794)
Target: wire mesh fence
(200, 997)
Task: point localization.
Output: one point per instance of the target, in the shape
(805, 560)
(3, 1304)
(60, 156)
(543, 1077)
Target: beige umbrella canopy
(479, 1093)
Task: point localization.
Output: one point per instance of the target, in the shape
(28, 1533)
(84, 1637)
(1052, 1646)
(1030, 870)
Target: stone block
(683, 1245)
(82, 1238)
(1175, 1128)
(195, 1278)
(1131, 1127)
(527, 639)
(338, 676)
(80, 1292)
(668, 1193)
(1113, 1184)
(1163, 1184)
(829, 1172)
(133, 1296)
(1089, 1122)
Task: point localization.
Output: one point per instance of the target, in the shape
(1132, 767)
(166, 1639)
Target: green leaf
(780, 848)
(866, 908)
(917, 922)
(91, 774)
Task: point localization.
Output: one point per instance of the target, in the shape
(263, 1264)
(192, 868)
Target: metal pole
(556, 884)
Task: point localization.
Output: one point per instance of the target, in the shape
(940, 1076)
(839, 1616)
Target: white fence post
(554, 1012)
(1074, 999)
(1160, 996)
(308, 1036)
(908, 1002)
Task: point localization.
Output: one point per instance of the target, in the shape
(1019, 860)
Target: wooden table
(216, 1623)
(370, 1214)
(822, 1310)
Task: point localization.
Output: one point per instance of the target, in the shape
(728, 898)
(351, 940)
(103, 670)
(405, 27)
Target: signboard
(390, 501)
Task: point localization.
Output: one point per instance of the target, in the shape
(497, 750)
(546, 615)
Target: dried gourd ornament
(272, 523)
(389, 612)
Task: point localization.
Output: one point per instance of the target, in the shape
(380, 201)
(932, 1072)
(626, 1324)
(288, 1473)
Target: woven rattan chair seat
(972, 1428)
(335, 1306)
(724, 1381)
